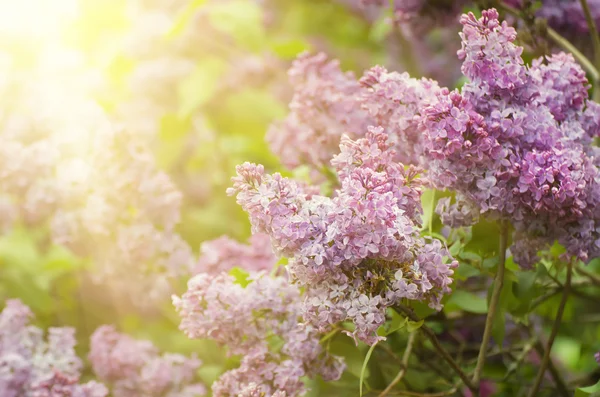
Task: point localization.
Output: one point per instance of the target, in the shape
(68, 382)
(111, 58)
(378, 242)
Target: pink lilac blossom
(68, 167)
(136, 368)
(32, 366)
(224, 253)
(323, 108)
(329, 103)
(260, 322)
(516, 142)
(358, 252)
(597, 357)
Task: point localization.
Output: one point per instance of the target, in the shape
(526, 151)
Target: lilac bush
(428, 237)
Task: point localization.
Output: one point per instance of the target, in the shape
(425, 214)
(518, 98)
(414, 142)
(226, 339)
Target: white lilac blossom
(34, 366)
(261, 323)
(516, 142)
(224, 253)
(135, 368)
(358, 252)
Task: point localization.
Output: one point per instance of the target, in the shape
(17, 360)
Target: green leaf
(398, 321)
(414, 325)
(197, 88)
(364, 366)
(470, 256)
(568, 350)
(588, 390)
(240, 275)
(523, 288)
(289, 48)
(455, 248)
(183, 19)
(469, 302)
(240, 19)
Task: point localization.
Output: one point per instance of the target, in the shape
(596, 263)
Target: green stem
(405, 357)
(489, 321)
(591, 276)
(561, 308)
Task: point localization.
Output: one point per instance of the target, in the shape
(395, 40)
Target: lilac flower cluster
(422, 15)
(31, 366)
(358, 252)
(322, 110)
(393, 100)
(516, 142)
(222, 254)
(260, 322)
(135, 368)
(66, 165)
(565, 15)
(329, 103)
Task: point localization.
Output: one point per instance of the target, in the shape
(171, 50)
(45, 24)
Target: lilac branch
(489, 321)
(553, 333)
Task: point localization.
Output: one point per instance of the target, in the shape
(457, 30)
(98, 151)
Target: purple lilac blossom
(329, 103)
(516, 142)
(34, 366)
(135, 368)
(260, 322)
(358, 252)
(565, 15)
(324, 107)
(224, 253)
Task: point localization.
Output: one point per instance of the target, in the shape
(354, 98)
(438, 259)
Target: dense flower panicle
(324, 107)
(329, 104)
(358, 252)
(136, 368)
(223, 253)
(260, 322)
(31, 366)
(516, 143)
(393, 99)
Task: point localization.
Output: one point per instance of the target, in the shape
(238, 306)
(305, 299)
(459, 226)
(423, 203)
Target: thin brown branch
(561, 308)
(438, 347)
(405, 357)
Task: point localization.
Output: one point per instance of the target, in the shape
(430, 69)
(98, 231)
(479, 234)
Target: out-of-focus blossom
(34, 366)
(135, 368)
(223, 254)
